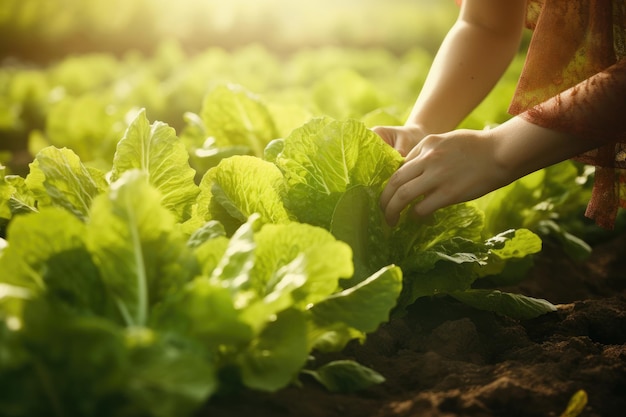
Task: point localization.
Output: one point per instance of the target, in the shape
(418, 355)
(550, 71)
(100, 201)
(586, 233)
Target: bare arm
(472, 58)
(461, 165)
(580, 119)
(446, 166)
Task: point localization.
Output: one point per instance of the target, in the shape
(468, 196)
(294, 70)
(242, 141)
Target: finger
(404, 174)
(413, 153)
(388, 135)
(394, 137)
(432, 202)
(419, 148)
(403, 146)
(402, 196)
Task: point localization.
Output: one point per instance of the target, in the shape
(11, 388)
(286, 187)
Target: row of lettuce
(144, 271)
(86, 102)
(83, 101)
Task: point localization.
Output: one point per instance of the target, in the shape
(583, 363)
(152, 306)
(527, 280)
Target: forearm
(520, 147)
(579, 119)
(471, 59)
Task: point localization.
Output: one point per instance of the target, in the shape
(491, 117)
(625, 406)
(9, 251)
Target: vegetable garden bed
(169, 250)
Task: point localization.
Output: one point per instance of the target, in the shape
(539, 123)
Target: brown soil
(445, 359)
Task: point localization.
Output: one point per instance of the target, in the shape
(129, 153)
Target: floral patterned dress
(574, 80)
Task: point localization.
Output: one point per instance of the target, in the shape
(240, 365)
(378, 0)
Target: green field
(189, 199)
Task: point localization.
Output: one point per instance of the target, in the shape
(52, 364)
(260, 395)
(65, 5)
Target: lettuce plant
(546, 203)
(330, 174)
(112, 304)
(140, 292)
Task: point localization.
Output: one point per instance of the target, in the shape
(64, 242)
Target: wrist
(418, 127)
(417, 124)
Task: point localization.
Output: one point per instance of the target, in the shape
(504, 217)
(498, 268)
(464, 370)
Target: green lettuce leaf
(74, 363)
(204, 152)
(546, 194)
(447, 274)
(381, 117)
(167, 376)
(156, 150)
(234, 268)
(326, 261)
(251, 305)
(204, 310)
(412, 237)
(516, 306)
(509, 255)
(455, 264)
(239, 187)
(210, 253)
(209, 231)
(358, 221)
(291, 274)
(324, 158)
(6, 191)
(575, 247)
(22, 199)
(273, 149)
(546, 203)
(58, 177)
(345, 376)
(234, 116)
(356, 310)
(275, 357)
(48, 254)
(279, 266)
(135, 244)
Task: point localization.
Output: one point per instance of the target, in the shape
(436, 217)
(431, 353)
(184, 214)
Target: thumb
(393, 137)
(386, 133)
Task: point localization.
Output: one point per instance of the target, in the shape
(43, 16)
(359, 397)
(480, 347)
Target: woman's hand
(445, 169)
(462, 165)
(401, 138)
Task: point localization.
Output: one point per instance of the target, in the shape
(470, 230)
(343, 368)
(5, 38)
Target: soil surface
(446, 359)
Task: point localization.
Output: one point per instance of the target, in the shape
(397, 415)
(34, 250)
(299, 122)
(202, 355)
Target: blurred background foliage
(73, 70)
(41, 30)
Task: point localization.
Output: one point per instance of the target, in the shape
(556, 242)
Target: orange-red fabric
(578, 47)
(574, 80)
